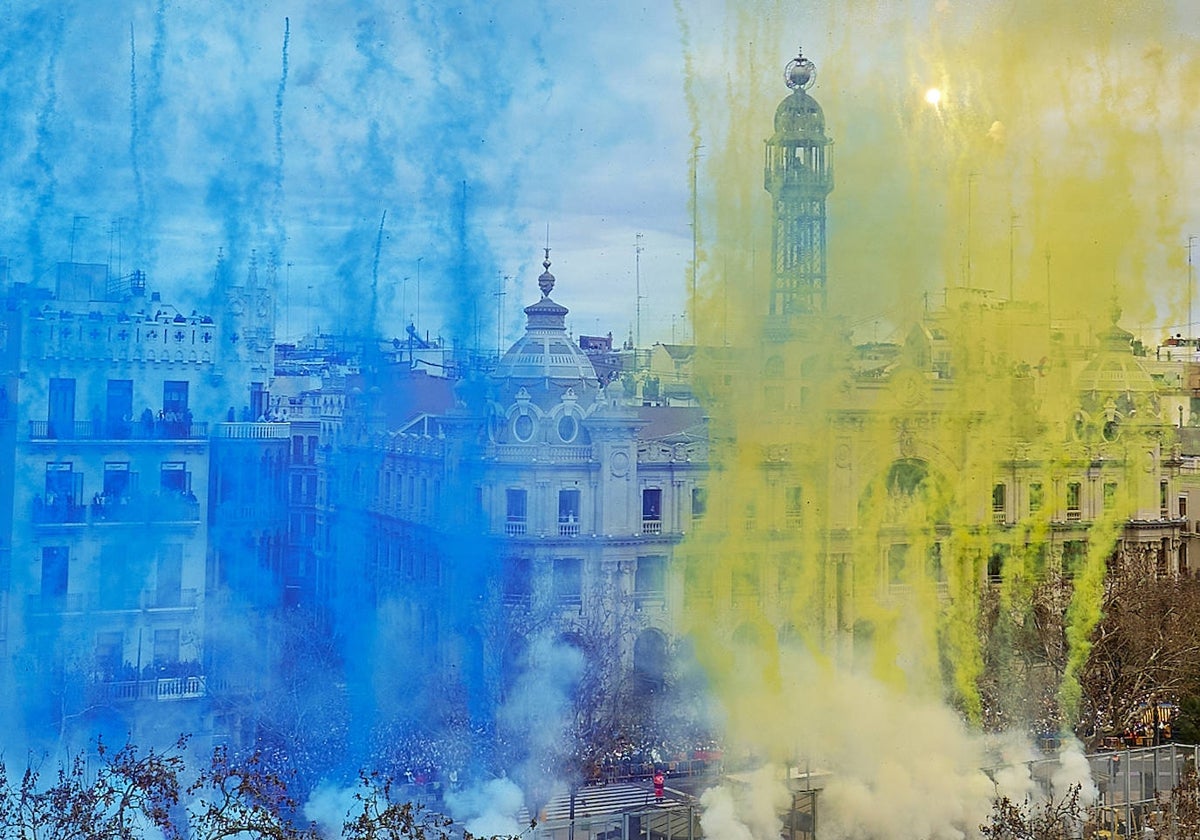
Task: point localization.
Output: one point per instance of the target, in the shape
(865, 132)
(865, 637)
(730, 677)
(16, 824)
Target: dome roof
(546, 353)
(1115, 370)
(799, 117)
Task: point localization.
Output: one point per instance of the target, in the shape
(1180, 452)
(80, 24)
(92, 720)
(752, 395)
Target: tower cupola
(799, 176)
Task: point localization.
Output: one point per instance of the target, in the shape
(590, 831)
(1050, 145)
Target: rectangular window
(168, 586)
(794, 507)
(699, 503)
(60, 418)
(1074, 497)
(1036, 497)
(745, 583)
(1074, 555)
(1164, 511)
(175, 399)
(166, 647)
(897, 564)
(568, 581)
(515, 522)
(118, 482)
(174, 478)
(652, 510)
(62, 497)
(1183, 507)
(118, 418)
(650, 581)
(996, 561)
(999, 499)
(55, 572)
(312, 449)
(568, 513)
(518, 581)
(117, 591)
(110, 651)
(297, 449)
(1110, 495)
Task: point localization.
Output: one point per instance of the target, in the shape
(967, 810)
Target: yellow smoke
(850, 517)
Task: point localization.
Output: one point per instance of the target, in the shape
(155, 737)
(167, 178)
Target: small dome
(799, 117)
(546, 354)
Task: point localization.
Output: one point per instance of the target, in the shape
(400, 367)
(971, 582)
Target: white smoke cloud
(488, 810)
(329, 806)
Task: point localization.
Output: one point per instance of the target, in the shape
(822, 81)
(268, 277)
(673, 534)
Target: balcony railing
(998, 517)
(568, 529)
(252, 431)
(60, 511)
(651, 526)
(515, 528)
(101, 430)
(114, 600)
(1074, 515)
(166, 688)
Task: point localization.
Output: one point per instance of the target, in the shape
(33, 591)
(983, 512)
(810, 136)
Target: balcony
(998, 517)
(515, 528)
(96, 430)
(252, 431)
(1074, 515)
(652, 526)
(165, 688)
(568, 528)
(59, 511)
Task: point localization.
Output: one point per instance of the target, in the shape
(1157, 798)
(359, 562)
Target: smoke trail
(135, 145)
(278, 234)
(46, 181)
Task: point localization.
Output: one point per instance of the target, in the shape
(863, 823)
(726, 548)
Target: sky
(151, 134)
(418, 154)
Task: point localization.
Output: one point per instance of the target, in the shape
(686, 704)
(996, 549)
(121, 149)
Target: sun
(933, 96)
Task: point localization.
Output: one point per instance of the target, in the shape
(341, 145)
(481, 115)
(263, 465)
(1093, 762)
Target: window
(117, 587)
(518, 583)
(650, 580)
(55, 570)
(523, 428)
(793, 507)
(168, 584)
(175, 399)
(60, 418)
(1110, 495)
(62, 499)
(897, 562)
(118, 482)
(1183, 507)
(1074, 494)
(1163, 510)
(297, 449)
(999, 497)
(166, 647)
(652, 510)
(515, 522)
(118, 419)
(1036, 497)
(110, 650)
(568, 581)
(174, 478)
(699, 503)
(1074, 555)
(996, 561)
(567, 428)
(568, 513)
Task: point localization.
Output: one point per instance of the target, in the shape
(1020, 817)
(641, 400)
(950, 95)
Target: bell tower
(798, 175)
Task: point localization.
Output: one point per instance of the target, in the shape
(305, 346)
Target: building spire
(546, 281)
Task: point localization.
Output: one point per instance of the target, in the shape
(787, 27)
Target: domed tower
(799, 176)
(546, 384)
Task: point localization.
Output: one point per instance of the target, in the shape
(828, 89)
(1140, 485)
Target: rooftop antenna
(970, 198)
(695, 230)
(637, 273)
(1191, 240)
(1012, 226)
(499, 294)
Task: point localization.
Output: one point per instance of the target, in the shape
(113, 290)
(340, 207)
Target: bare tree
(1050, 819)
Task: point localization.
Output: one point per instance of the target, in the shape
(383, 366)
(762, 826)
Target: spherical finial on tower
(546, 281)
(800, 73)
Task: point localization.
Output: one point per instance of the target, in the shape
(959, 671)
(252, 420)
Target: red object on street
(659, 782)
